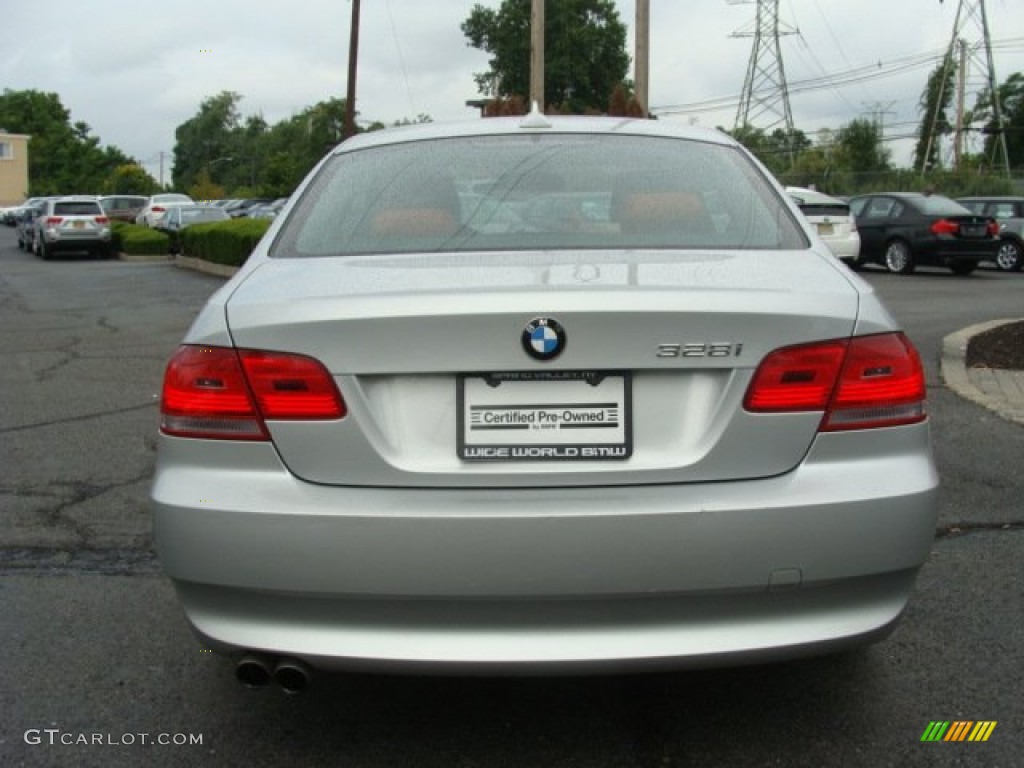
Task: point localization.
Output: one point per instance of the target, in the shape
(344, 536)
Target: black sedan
(904, 230)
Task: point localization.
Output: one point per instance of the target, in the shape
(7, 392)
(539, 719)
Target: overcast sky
(134, 72)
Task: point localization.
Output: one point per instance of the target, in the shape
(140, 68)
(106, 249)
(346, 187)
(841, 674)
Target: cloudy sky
(134, 72)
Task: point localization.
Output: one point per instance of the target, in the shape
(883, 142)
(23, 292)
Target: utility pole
(353, 57)
(643, 53)
(961, 93)
(537, 55)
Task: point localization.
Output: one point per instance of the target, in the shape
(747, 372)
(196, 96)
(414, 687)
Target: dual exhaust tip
(257, 671)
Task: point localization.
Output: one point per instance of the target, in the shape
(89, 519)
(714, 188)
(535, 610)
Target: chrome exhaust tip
(292, 675)
(253, 671)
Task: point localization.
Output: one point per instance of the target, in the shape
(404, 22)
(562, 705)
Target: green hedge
(138, 241)
(223, 242)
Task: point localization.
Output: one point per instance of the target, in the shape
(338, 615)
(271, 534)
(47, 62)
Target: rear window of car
(937, 205)
(122, 203)
(825, 209)
(83, 208)
(538, 192)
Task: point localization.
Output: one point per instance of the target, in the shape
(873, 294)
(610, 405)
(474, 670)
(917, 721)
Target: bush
(139, 241)
(223, 242)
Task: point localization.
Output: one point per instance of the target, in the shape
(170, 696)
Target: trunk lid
(686, 330)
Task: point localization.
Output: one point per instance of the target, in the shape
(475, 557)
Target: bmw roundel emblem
(543, 338)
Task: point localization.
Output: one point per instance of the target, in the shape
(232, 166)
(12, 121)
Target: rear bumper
(817, 559)
(845, 248)
(942, 251)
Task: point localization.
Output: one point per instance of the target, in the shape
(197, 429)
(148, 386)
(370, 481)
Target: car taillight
(52, 221)
(101, 219)
(994, 228)
(861, 383)
(157, 209)
(944, 227)
(223, 393)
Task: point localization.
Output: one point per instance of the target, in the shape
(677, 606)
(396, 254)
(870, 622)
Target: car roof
(533, 124)
(900, 195)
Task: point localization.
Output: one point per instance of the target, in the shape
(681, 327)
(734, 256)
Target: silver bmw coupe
(541, 394)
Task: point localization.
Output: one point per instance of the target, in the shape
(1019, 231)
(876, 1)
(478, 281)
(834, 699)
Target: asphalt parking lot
(101, 669)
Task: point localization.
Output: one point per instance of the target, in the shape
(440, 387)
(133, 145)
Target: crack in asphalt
(957, 530)
(108, 562)
(82, 417)
(104, 322)
(82, 492)
(68, 349)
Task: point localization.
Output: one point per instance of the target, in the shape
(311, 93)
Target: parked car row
(252, 208)
(904, 230)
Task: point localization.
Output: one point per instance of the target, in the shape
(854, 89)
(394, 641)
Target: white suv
(72, 224)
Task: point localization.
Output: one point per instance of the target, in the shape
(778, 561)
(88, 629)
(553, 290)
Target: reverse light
(861, 383)
(223, 393)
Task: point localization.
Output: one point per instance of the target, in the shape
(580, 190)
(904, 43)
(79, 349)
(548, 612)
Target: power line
(860, 74)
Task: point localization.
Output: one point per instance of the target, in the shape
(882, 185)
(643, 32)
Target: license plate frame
(544, 416)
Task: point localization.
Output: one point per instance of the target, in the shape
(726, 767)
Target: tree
(935, 100)
(584, 49)
(777, 150)
(208, 137)
(204, 189)
(1011, 101)
(859, 148)
(130, 179)
(63, 157)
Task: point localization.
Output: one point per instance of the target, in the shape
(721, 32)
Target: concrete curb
(143, 259)
(1004, 395)
(201, 265)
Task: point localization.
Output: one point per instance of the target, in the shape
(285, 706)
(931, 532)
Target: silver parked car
(72, 223)
(541, 394)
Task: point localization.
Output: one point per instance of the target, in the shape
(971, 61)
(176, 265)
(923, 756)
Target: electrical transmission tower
(764, 102)
(970, 50)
